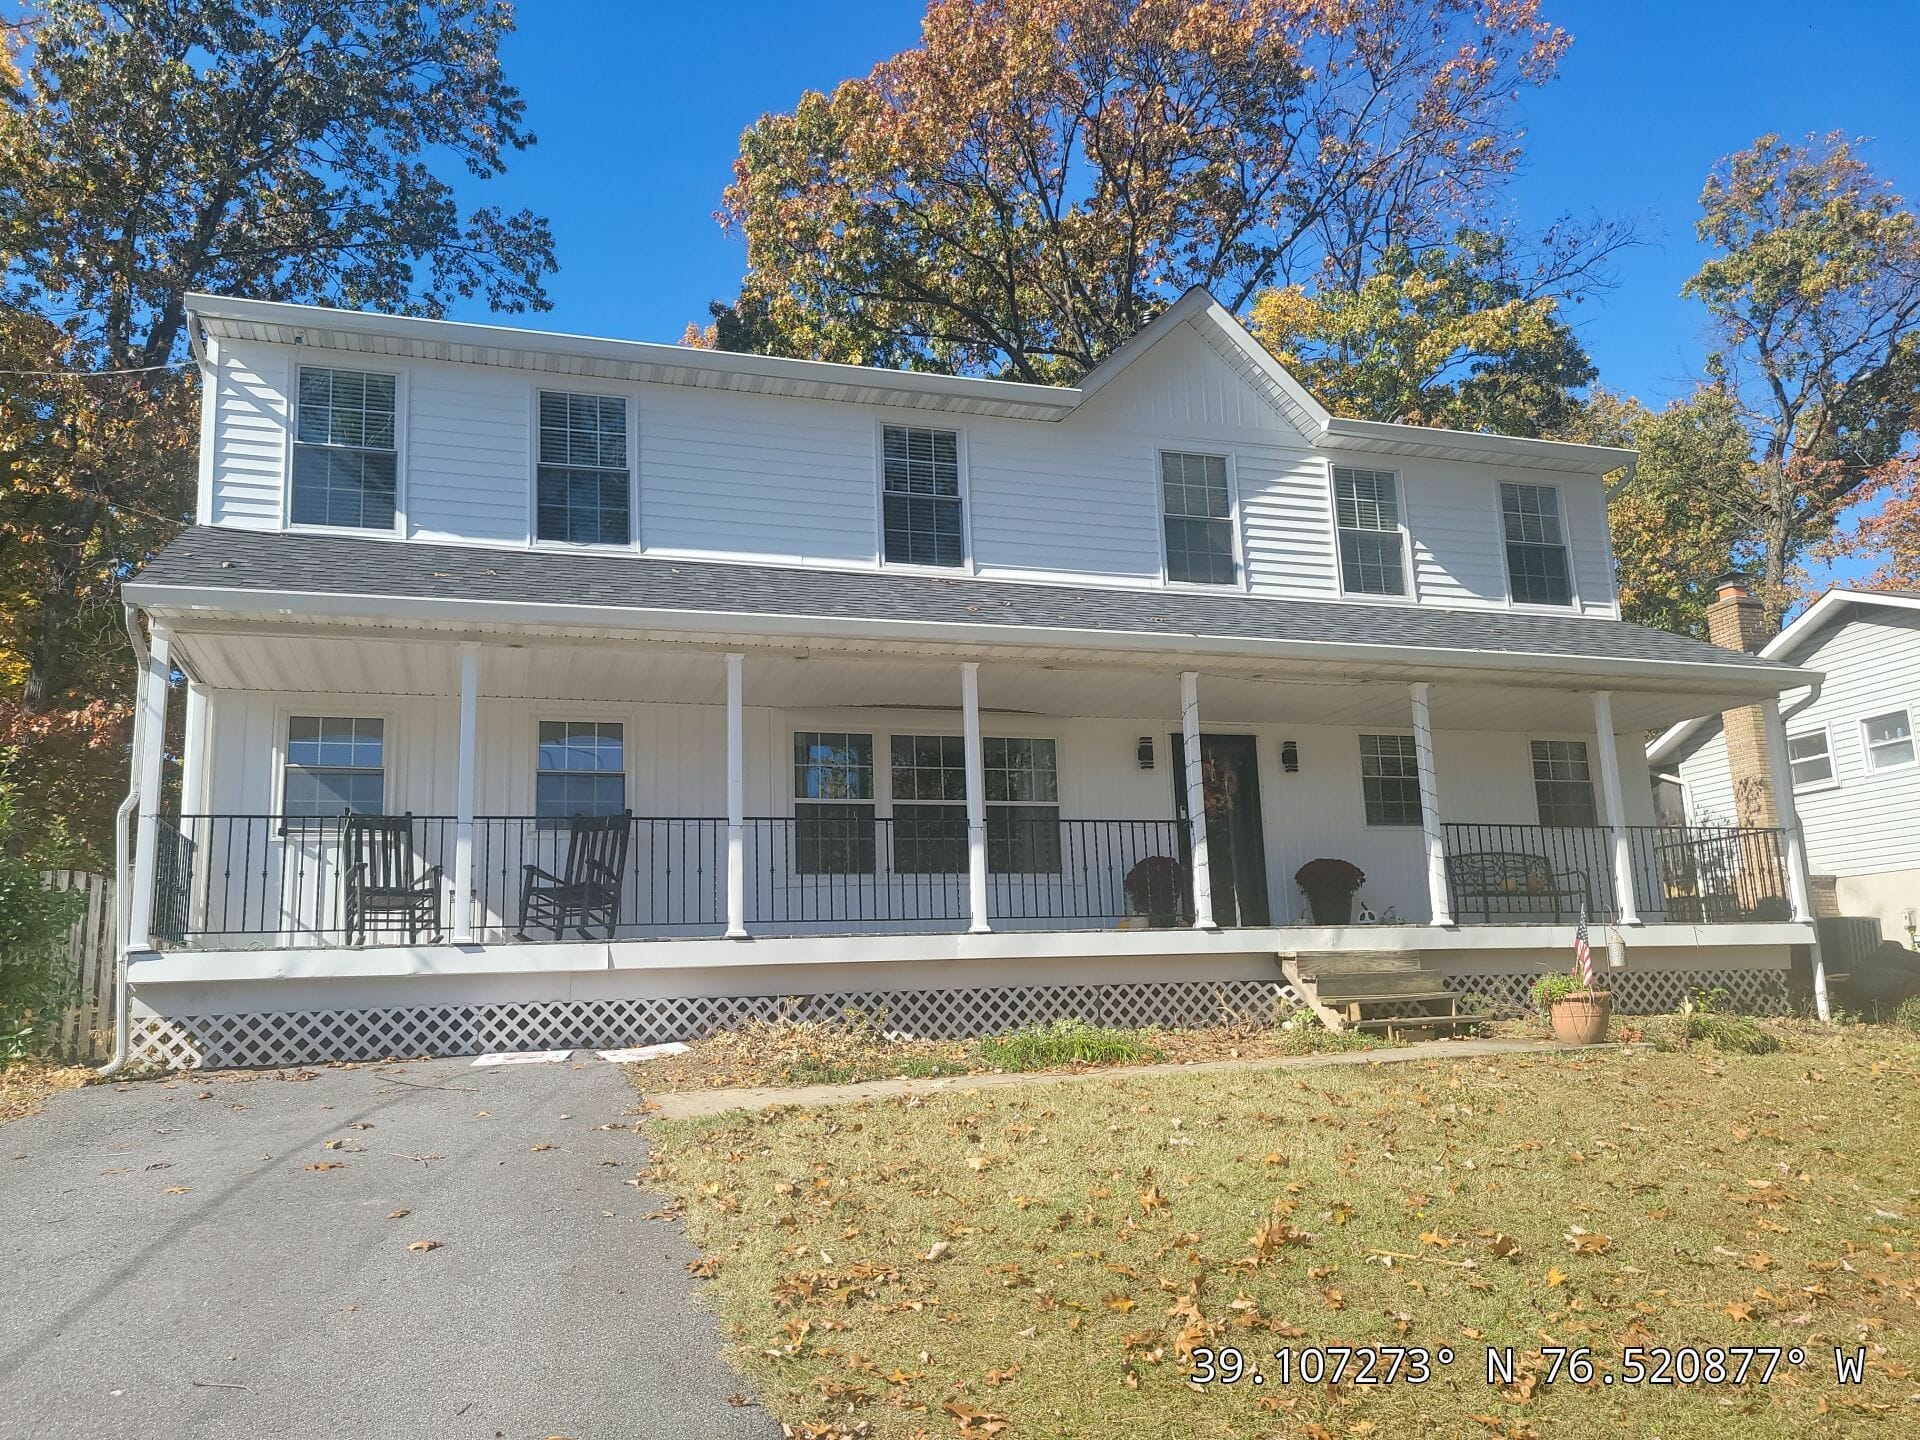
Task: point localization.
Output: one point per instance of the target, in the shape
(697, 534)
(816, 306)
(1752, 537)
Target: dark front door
(1236, 849)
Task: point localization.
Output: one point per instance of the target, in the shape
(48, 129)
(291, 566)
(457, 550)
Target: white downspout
(122, 856)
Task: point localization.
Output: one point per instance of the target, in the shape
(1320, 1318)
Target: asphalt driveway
(174, 1262)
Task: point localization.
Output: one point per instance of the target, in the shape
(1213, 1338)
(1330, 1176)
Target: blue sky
(639, 107)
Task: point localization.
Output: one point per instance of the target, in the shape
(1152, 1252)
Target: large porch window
(833, 829)
(1023, 807)
(335, 763)
(1390, 779)
(1563, 783)
(581, 769)
(929, 804)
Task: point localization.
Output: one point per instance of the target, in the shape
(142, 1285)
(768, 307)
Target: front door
(1236, 848)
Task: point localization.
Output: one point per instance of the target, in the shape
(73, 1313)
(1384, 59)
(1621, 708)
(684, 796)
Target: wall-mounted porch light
(1145, 752)
(1290, 757)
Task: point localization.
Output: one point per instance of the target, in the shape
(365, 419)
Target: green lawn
(1046, 1258)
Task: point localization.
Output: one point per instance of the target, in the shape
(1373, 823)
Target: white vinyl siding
(247, 470)
(467, 454)
(1863, 822)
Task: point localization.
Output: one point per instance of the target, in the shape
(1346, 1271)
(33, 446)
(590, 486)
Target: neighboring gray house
(1852, 747)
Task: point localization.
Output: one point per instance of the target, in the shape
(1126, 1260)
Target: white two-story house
(543, 690)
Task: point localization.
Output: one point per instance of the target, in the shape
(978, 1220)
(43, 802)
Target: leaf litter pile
(1043, 1261)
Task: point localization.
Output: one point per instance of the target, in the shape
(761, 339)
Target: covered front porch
(535, 787)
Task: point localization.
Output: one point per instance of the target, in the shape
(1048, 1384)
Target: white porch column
(736, 802)
(1196, 801)
(976, 800)
(193, 752)
(152, 720)
(461, 920)
(1439, 898)
(1799, 888)
(1616, 816)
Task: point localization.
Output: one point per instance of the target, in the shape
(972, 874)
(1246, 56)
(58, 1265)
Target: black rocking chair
(386, 881)
(587, 893)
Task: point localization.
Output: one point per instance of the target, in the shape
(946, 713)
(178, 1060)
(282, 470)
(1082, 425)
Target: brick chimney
(1736, 620)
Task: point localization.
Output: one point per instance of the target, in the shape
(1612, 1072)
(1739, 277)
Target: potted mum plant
(1578, 1013)
(1330, 886)
(1155, 888)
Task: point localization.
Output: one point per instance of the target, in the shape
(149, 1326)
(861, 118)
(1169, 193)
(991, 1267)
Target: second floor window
(1197, 511)
(1366, 508)
(581, 769)
(833, 829)
(345, 456)
(922, 523)
(335, 763)
(585, 486)
(1537, 568)
(1390, 779)
(1563, 783)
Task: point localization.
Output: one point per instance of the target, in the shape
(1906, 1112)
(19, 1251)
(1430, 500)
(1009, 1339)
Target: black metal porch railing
(1520, 874)
(1710, 874)
(256, 881)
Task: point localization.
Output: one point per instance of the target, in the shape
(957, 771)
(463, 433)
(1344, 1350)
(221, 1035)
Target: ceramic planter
(1581, 1018)
(1331, 907)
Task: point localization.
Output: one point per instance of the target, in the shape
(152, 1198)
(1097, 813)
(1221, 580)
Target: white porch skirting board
(313, 1006)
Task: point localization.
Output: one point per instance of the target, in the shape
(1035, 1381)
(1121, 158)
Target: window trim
(291, 421)
(1411, 596)
(576, 717)
(626, 395)
(1866, 748)
(1593, 778)
(1179, 445)
(1574, 603)
(283, 715)
(1360, 769)
(969, 563)
(1832, 782)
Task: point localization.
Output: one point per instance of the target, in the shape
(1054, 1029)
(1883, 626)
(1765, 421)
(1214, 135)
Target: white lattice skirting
(299, 1037)
(1643, 992)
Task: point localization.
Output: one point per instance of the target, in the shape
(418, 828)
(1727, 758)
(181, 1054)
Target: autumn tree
(1469, 336)
(1020, 193)
(297, 150)
(1813, 293)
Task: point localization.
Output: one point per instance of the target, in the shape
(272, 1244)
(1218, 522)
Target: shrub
(1907, 1017)
(36, 983)
(1737, 1034)
(1064, 1042)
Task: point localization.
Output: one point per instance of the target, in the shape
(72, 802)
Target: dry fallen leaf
(398, 1214)
(176, 1189)
(326, 1165)
(1554, 1276)
(422, 1246)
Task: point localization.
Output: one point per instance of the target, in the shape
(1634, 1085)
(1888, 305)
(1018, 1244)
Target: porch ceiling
(284, 660)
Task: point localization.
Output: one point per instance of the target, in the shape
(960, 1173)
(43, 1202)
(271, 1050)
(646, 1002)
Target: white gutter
(184, 601)
(122, 858)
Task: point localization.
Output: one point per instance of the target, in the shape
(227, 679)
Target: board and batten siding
(731, 476)
(1865, 823)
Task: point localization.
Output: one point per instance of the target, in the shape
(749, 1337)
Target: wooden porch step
(1409, 996)
(1353, 962)
(1415, 1022)
(1377, 985)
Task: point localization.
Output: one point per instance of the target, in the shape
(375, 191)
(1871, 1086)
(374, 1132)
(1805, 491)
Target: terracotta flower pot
(1581, 1018)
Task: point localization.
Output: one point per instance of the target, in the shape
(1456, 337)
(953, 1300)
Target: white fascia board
(186, 601)
(1472, 445)
(450, 334)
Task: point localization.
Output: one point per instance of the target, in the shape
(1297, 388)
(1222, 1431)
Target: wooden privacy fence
(86, 1031)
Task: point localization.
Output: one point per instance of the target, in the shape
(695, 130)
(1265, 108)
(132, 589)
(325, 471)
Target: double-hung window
(581, 770)
(334, 764)
(832, 803)
(1810, 758)
(1366, 508)
(1537, 569)
(920, 498)
(1563, 783)
(1023, 807)
(1888, 739)
(929, 775)
(585, 486)
(1390, 779)
(345, 455)
(1197, 513)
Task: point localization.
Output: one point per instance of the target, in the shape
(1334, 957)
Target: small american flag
(1583, 952)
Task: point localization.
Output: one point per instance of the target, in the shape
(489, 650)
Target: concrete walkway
(177, 1265)
(689, 1103)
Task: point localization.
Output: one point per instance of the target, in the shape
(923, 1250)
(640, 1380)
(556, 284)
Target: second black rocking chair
(385, 880)
(586, 894)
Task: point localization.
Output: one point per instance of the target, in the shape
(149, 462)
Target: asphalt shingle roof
(297, 563)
